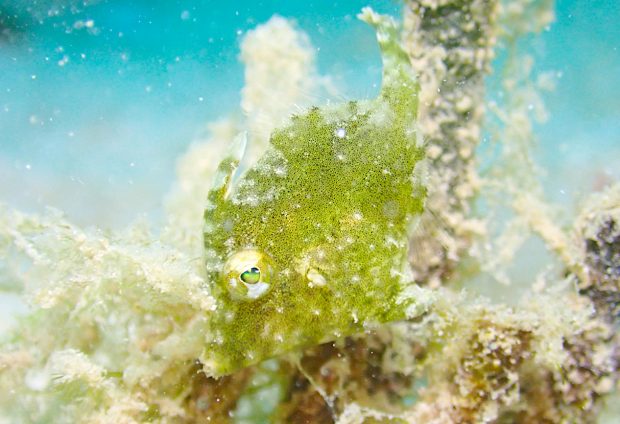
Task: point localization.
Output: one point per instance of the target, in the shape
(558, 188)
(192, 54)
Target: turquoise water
(99, 98)
(137, 87)
(580, 144)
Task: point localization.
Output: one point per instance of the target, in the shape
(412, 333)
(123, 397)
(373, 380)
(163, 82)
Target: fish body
(310, 244)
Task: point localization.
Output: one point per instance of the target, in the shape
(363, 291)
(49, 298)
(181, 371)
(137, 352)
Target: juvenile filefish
(310, 244)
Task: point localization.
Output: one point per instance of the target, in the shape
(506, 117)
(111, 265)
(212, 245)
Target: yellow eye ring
(248, 274)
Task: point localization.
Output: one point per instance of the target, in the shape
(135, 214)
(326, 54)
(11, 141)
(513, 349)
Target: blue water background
(98, 99)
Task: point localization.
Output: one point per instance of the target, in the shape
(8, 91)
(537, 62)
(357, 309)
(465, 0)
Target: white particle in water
(340, 132)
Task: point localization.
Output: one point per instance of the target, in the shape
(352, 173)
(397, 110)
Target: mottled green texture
(325, 215)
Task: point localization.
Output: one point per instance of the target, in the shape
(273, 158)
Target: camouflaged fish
(310, 244)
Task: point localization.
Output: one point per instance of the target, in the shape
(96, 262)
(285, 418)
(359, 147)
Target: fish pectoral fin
(222, 182)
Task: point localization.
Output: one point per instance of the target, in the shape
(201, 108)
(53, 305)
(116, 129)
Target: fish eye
(248, 274)
(251, 276)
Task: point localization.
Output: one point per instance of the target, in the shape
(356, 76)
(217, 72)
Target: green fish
(310, 244)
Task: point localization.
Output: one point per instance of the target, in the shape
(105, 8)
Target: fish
(310, 244)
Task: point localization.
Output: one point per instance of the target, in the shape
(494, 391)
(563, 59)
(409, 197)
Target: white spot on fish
(315, 278)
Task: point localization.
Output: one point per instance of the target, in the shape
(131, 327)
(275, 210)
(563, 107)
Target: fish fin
(223, 180)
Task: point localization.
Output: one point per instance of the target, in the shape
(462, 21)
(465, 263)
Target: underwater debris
(280, 71)
(598, 230)
(451, 45)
